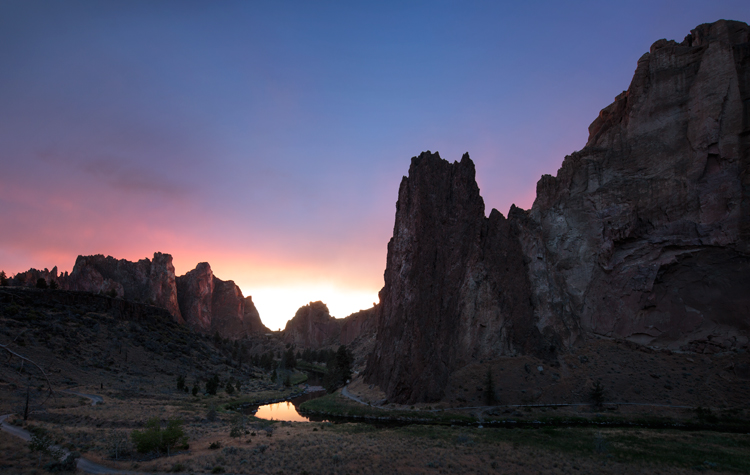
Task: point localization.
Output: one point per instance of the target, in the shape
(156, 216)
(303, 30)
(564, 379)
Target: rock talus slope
(642, 235)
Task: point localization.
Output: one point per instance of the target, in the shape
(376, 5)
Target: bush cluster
(156, 439)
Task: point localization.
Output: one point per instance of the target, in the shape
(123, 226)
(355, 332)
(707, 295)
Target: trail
(84, 464)
(95, 399)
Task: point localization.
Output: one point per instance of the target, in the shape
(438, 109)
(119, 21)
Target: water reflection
(287, 410)
(280, 411)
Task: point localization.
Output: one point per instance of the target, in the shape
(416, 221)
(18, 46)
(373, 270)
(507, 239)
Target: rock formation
(359, 324)
(143, 281)
(31, 276)
(211, 305)
(455, 284)
(642, 235)
(312, 327)
(198, 298)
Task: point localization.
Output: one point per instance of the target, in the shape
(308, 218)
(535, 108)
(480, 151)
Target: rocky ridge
(149, 281)
(641, 236)
(211, 305)
(198, 299)
(314, 327)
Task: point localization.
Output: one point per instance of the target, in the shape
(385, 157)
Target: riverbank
(340, 407)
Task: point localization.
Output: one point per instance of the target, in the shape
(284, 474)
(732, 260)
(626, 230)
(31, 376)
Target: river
(287, 410)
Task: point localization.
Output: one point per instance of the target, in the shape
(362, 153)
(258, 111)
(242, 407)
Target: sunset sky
(269, 138)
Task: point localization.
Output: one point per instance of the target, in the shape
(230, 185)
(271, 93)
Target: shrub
(238, 426)
(68, 465)
(229, 388)
(118, 444)
(195, 389)
(43, 443)
(178, 467)
(156, 439)
(180, 382)
(211, 415)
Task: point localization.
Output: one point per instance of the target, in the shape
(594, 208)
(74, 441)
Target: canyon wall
(642, 235)
(148, 281)
(211, 305)
(312, 327)
(199, 299)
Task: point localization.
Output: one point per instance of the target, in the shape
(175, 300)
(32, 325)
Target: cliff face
(312, 327)
(642, 235)
(455, 284)
(359, 324)
(144, 281)
(198, 298)
(211, 305)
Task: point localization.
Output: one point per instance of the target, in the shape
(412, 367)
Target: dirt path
(95, 399)
(83, 464)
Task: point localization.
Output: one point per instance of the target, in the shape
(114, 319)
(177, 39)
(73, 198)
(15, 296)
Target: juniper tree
(489, 395)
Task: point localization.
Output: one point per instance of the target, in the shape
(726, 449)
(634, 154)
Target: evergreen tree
(290, 362)
(597, 394)
(180, 382)
(53, 285)
(489, 395)
(212, 385)
(195, 389)
(3, 278)
(41, 283)
(339, 369)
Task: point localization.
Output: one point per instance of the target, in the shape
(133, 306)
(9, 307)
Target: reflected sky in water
(280, 411)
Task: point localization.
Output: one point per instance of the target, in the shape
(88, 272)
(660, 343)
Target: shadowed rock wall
(456, 287)
(642, 235)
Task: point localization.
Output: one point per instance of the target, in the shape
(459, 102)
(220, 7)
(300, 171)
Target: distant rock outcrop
(642, 235)
(312, 327)
(31, 276)
(201, 300)
(211, 305)
(143, 281)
